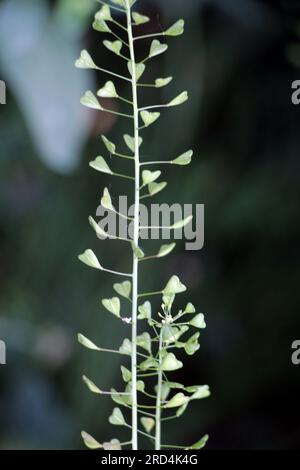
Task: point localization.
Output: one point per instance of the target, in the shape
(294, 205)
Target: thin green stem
(121, 27)
(116, 113)
(147, 258)
(112, 237)
(114, 351)
(111, 6)
(123, 216)
(141, 432)
(128, 443)
(146, 413)
(121, 155)
(147, 36)
(115, 393)
(149, 407)
(172, 447)
(157, 163)
(147, 85)
(169, 418)
(146, 196)
(117, 36)
(151, 374)
(156, 106)
(149, 395)
(114, 74)
(158, 398)
(124, 176)
(148, 294)
(135, 272)
(125, 100)
(117, 273)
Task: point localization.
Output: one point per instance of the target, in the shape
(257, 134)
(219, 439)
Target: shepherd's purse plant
(152, 354)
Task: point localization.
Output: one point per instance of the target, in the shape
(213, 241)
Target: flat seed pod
(90, 259)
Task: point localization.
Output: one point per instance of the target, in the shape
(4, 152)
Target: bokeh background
(238, 59)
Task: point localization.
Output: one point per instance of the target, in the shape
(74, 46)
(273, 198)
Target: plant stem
(147, 36)
(158, 399)
(157, 163)
(135, 231)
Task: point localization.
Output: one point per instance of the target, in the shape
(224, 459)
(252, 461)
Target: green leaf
(144, 341)
(85, 61)
(87, 343)
(149, 363)
(166, 250)
(198, 321)
(97, 228)
(178, 400)
(155, 188)
(169, 333)
(140, 386)
(199, 391)
(112, 305)
(90, 259)
(182, 223)
(114, 444)
(145, 311)
(150, 176)
(149, 118)
(122, 400)
(168, 301)
(170, 363)
(180, 99)
(165, 391)
(101, 26)
(126, 347)
(200, 444)
(106, 201)
(108, 91)
(90, 101)
(104, 14)
(192, 345)
(123, 289)
(110, 146)
(172, 334)
(126, 374)
(190, 308)
(129, 141)
(140, 19)
(184, 159)
(176, 29)
(99, 164)
(117, 418)
(161, 82)
(181, 410)
(89, 441)
(175, 385)
(137, 251)
(148, 424)
(139, 69)
(91, 386)
(113, 46)
(157, 48)
(174, 286)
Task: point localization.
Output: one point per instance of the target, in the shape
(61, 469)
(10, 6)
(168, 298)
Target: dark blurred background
(238, 59)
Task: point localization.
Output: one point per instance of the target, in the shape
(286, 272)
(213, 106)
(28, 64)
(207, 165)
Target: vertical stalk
(158, 398)
(135, 231)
